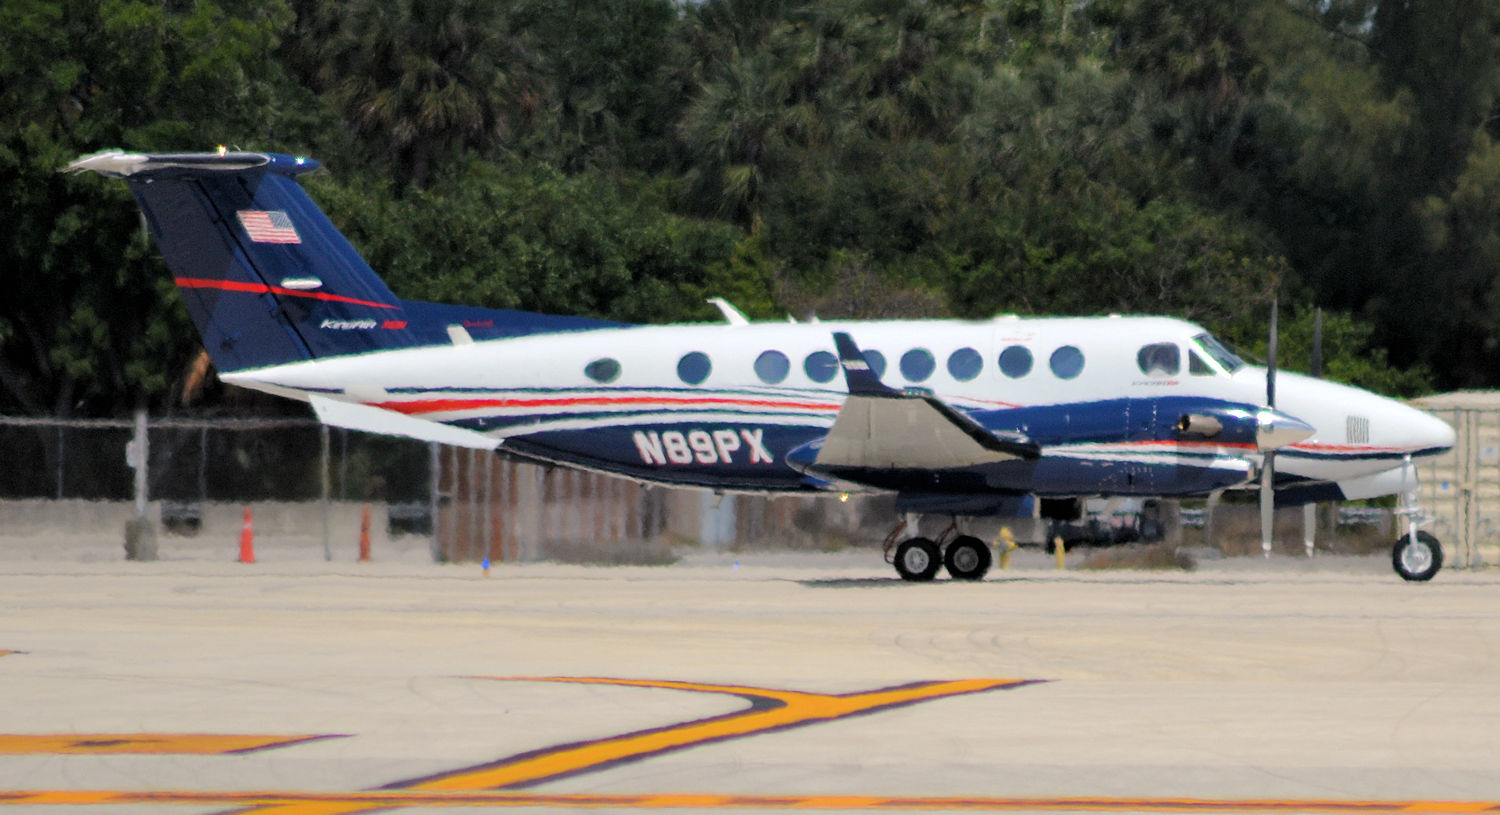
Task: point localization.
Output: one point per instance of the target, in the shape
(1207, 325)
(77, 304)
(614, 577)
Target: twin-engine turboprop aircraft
(960, 418)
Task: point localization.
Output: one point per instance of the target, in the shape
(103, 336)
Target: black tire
(917, 560)
(1417, 561)
(967, 558)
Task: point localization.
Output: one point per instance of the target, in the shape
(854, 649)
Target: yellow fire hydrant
(1006, 543)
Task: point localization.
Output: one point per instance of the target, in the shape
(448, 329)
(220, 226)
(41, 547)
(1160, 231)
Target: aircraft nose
(1429, 434)
(1275, 429)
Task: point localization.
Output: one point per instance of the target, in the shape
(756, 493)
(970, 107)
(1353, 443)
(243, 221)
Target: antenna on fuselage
(731, 315)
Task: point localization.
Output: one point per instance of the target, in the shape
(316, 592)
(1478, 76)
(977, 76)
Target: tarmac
(745, 682)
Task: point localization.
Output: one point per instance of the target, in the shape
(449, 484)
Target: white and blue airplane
(965, 418)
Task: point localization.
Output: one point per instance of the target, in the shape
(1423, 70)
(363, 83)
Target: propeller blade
(1267, 503)
(1309, 511)
(1317, 352)
(1271, 360)
(1268, 465)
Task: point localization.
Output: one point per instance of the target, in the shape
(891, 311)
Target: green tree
(91, 325)
(1350, 354)
(523, 235)
(609, 81)
(419, 80)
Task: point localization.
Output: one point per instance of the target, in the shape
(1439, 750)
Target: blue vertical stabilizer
(266, 277)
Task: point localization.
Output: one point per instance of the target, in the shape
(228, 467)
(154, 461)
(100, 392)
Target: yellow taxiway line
(499, 784)
(207, 744)
(373, 800)
(768, 710)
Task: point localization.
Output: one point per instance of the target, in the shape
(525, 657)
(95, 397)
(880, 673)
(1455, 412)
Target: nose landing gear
(1417, 555)
(917, 558)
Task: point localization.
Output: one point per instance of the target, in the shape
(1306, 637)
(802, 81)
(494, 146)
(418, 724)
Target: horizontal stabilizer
(120, 164)
(376, 420)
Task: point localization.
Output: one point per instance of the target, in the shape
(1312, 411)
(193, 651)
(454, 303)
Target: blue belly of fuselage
(1107, 447)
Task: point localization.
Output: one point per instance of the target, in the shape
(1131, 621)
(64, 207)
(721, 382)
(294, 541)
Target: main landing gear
(917, 559)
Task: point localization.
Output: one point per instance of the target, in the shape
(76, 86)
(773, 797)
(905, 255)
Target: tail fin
(267, 278)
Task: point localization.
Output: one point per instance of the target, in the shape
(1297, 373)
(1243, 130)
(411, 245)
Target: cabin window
(917, 364)
(603, 371)
(1198, 366)
(694, 367)
(965, 364)
(1015, 361)
(1159, 359)
(876, 361)
(821, 366)
(772, 367)
(1066, 362)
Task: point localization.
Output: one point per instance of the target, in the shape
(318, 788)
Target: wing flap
(882, 428)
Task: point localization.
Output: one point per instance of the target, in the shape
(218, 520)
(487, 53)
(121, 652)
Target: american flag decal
(268, 226)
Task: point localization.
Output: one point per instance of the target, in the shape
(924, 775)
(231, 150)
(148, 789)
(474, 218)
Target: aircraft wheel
(967, 558)
(917, 560)
(1417, 560)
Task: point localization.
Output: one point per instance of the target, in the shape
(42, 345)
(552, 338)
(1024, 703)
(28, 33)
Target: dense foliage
(863, 157)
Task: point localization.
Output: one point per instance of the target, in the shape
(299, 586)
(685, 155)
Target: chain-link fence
(70, 483)
(73, 483)
(209, 460)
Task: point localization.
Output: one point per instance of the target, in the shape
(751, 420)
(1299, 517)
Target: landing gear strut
(1417, 555)
(917, 559)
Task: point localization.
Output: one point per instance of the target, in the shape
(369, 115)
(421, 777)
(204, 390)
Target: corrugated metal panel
(1461, 489)
(511, 511)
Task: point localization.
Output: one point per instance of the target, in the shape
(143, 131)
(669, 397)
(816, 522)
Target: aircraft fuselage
(724, 406)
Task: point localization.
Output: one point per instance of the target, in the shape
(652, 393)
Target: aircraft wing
(375, 420)
(883, 428)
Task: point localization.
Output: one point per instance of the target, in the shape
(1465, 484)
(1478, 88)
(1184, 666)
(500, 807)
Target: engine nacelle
(1199, 424)
(1265, 428)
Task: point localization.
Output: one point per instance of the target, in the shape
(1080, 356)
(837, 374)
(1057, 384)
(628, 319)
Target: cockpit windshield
(1225, 357)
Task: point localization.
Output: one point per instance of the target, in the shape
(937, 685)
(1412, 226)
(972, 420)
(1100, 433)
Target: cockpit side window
(1159, 359)
(1198, 366)
(1216, 351)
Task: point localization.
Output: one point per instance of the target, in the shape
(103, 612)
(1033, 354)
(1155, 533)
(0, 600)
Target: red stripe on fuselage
(447, 405)
(1347, 448)
(261, 288)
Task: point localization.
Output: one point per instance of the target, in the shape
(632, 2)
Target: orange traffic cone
(247, 539)
(364, 536)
